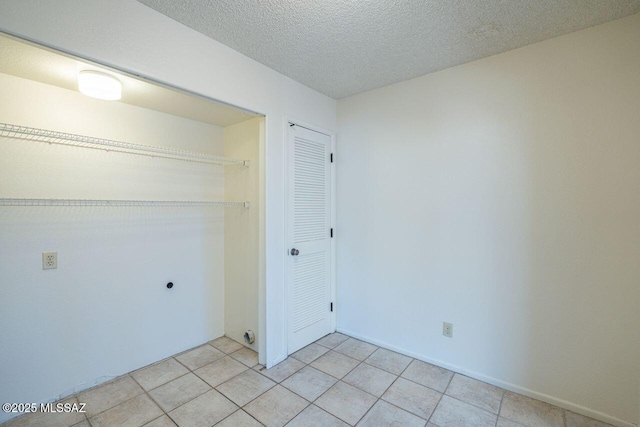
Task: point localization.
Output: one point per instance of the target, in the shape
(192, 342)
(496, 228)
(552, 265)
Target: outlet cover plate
(49, 260)
(447, 329)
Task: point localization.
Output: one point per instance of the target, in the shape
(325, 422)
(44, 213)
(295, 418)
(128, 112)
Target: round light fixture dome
(99, 85)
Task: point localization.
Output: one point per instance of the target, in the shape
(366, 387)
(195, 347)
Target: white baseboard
(502, 384)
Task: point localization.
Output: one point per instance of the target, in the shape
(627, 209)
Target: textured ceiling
(344, 47)
(31, 62)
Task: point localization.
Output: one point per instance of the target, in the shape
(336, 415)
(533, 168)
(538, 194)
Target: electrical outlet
(447, 329)
(49, 260)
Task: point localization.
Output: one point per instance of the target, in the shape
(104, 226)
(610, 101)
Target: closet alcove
(161, 186)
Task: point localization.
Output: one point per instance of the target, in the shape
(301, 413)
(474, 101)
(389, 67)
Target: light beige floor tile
(276, 407)
(412, 397)
(239, 419)
(389, 361)
(335, 364)
(246, 356)
(50, 419)
(132, 413)
(356, 349)
(24, 420)
(332, 340)
(309, 383)
(181, 390)
(451, 412)
(384, 414)
(282, 370)
(245, 387)
(198, 357)
(66, 418)
(370, 379)
(163, 421)
(428, 375)
(204, 410)
(530, 412)
(226, 345)
(503, 422)
(220, 371)
(108, 395)
(484, 396)
(159, 373)
(346, 402)
(410, 400)
(576, 420)
(310, 353)
(316, 417)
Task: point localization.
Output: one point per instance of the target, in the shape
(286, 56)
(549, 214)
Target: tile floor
(336, 381)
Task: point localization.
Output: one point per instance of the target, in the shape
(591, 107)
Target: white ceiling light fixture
(99, 85)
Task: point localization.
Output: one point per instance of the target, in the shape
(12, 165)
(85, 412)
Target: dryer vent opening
(249, 337)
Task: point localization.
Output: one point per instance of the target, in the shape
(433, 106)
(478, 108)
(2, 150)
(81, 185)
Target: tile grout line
(470, 403)
(398, 377)
(279, 384)
(338, 379)
(144, 391)
(182, 364)
(422, 385)
(270, 388)
(286, 388)
(212, 387)
(311, 402)
(474, 406)
(75, 396)
(158, 404)
(500, 407)
(124, 401)
(236, 411)
(189, 372)
(153, 400)
(377, 398)
(434, 408)
(504, 391)
(441, 394)
(497, 414)
(467, 403)
(127, 400)
(368, 410)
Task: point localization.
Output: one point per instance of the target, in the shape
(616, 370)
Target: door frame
(288, 120)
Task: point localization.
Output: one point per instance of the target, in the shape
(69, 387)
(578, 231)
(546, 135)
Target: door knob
(294, 252)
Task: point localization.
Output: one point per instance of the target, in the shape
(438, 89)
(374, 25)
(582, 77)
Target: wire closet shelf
(114, 203)
(61, 138)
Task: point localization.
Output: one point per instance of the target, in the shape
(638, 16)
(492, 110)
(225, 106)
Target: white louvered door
(308, 235)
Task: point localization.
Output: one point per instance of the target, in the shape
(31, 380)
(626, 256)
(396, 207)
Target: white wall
(67, 329)
(129, 36)
(503, 196)
(241, 240)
